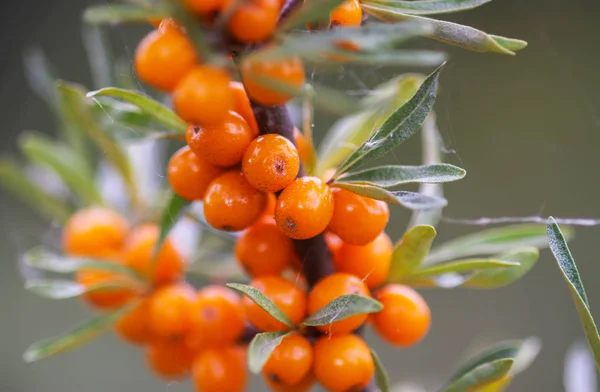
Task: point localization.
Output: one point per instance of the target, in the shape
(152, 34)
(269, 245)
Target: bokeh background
(526, 128)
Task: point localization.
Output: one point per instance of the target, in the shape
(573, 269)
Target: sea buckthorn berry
(104, 298)
(370, 262)
(242, 105)
(334, 243)
(304, 208)
(203, 96)
(189, 175)
(357, 219)
(301, 144)
(94, 232)
(231, 203)
(205, 6)
(168, 264)
(170, 359)
(220, 370)
(221, 144)
(263, 249)
(269, 211)
(276, 385)
(270, 163)
(291, 361)
(217, 316)
(343, 363)
(169, 23)
(134, 326)
(164, 57)
(170, 309)
(286, 295)
(347, 14)
(254, 20)
(405, 318)
(288, 71)
(330, 288)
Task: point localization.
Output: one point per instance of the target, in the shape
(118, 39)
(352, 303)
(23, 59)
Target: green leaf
(261, 300)
(384, 58)
(410, 251)
(173, 211)
(261, 347)
(566, 263)
(429, 7)
(465, 37)
(63, 289)
(491, 241)
(382, 381)
(152, 108)
(410, 200)
(14, 179)
(481, 376)
(123, 13)
(393, 175)
(310, 11)
(495, 278)
(75, 337)
(40, 77)
(461, 266)
(100, 56)
(343, 307)
(400, 126)
(61, 160)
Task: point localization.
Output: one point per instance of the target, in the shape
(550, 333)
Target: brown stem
(289, 7)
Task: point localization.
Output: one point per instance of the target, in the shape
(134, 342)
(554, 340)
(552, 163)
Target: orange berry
(334, 243)
(304, 208)
(263, 249)
(347, 14)
(104, 298)
(221, 144)
(286, 295)
(217, 316)
(288, 71)
(405, 318)
(370, 262)
(169, 359)
(304, 385)
(171, 309)
(330, 288)
(139, 255)
(357, 219)
(203, 96)
(269, 211)
(270, 163)
(343, 363)
(189, 175)
(164, 57)
(301, 144)
(291, 361)
(231, 203)
(155, 22)
(205, 6)
(94, 232)
(220, 370)
(134, 326)
(169, 23)
(242, 105)
(254, 20)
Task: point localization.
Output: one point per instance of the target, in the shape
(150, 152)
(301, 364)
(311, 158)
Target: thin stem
(288, 8)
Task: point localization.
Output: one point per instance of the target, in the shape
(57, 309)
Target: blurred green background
(527, 130)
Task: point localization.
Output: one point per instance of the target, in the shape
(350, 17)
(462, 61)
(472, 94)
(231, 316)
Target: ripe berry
(330, 288)
(276, 385)
(220, 370)
(347, 14)
(169, 359)
(288, 71)
(343, 363)
(205, 6)
(164, 57)
(94, 232)
(242, 105)
(170, 309)
(254, 20)
(231, 203)
(221, 144)
(217, 317)
(166, 266)
(203, 96)
(357, 219)
(263, 249)
(270, 163)
(405, 318)
(134, 326)
(189, 175)
(334, 243)
(104, 298)
(286, 295)
(291, 361)
(269, 211)
(304, 208)
(370, 262)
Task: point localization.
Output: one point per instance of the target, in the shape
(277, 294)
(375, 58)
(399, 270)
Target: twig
(486, 221)
(288, 8)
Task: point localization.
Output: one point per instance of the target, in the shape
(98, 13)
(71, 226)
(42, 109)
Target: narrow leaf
(63, 289)
(410, 251)
(382, 381)
(495, 278)
(261, 347)
(391, 176)
(343, 307)
(261, 300)
(429, 7)
(173, 211)
(462, 266)
(383, 58)
(566, 263)
(481, 376)
(40, 77)
(100, 56)
(123, 13)
(308, 12)
(410, 200)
